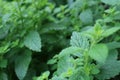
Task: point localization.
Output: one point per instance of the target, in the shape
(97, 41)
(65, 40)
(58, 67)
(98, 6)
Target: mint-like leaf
(22, 63)
(99, 52)
(70, 50)
(33, 41)
(111, 67)
(79, 40)
(110, 31)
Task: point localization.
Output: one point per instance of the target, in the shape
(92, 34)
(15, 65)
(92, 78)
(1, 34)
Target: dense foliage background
(59, 39)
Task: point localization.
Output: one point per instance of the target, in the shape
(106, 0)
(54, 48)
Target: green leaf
(99, 52)
(4, 49)
(113, 45)
(98, 29)
(30, 73)
(94, 69)
(41, 3)
(79, 74)
(70, 50)
(6, 17)
(110, 31)
(111, 2)
(86, 16)
(52, 61)
(79, 40)
(64, 64)
(3, 31)
(44, 76)
(33, 41)
(22, 63)
(52, 27)
(76, 7)
(111, 67)
(58, 78)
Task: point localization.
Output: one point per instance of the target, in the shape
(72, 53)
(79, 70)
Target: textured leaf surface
(64, 64)
(111, 2)
(86, 16)
(111, 68)
(70, 50)
(3, 32)
(52, 27)
(58, 78)
(99, 52)
(22, 63)
(79, 75)
(33, 41)
(113, 45)
(78, 40)
(4, 49)
(110, 31)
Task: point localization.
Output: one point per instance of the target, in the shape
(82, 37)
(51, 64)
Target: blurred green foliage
(33, 32)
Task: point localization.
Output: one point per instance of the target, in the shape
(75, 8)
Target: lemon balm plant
(33, 31)
(86, 58)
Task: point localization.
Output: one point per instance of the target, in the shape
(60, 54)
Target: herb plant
(59, 39)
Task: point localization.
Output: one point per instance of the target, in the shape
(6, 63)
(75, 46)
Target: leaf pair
(33, 42)
(98, 52)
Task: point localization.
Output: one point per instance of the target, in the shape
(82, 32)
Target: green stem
(86, 63)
